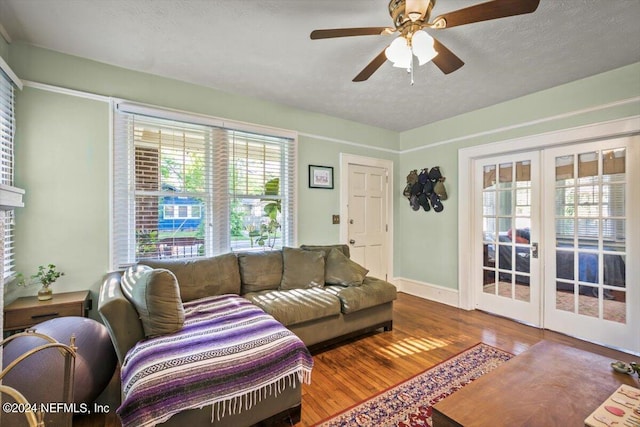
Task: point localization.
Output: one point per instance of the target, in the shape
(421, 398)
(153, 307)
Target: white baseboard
(427, 291)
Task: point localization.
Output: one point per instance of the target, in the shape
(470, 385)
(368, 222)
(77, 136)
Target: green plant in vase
(45, 276)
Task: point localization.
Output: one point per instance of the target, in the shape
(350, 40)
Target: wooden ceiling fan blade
(348, 32)
(446, 60)
(371, 68)
(484, 12)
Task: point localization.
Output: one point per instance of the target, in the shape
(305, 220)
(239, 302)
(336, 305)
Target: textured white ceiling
(262, 49)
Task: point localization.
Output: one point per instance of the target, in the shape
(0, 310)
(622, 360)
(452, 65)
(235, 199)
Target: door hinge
(386, 227)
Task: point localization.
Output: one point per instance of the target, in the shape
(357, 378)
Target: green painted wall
(62, 158)
(433, 238)
(62, 153)
(319, 228)
(63, 150)
(45, 66)
(4, 48)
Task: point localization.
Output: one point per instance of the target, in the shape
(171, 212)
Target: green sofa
(316, 292)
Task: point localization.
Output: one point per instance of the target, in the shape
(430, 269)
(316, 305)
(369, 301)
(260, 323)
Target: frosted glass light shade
(399, 53)
(422, 45)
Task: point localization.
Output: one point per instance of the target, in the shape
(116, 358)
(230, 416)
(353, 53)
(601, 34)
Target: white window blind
(7, 132)
(261, 177)
(191, 188)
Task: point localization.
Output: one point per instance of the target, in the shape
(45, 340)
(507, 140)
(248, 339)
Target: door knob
(352, 241)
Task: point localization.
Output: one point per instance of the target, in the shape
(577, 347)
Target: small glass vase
(45, 293)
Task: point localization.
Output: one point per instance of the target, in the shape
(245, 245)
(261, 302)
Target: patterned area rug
(409, 403)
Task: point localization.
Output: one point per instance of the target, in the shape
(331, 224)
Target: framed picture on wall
(320, 177)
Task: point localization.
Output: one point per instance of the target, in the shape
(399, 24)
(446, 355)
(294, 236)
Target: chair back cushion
(203, 277)
(260, 271)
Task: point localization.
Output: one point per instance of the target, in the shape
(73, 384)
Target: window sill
(10, 197)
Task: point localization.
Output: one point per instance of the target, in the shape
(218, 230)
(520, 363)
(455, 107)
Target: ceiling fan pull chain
(411, 67)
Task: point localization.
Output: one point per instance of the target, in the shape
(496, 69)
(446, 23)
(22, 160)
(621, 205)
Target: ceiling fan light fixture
(422, 46)
(410, 17)
(399, 53)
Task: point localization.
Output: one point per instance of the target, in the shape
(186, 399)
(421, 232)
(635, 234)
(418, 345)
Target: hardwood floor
(424, 334)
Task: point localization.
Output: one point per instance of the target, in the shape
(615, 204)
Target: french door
(591, 289)
(507, 201)
(560, 239)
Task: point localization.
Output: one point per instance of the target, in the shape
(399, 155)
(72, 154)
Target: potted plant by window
(45, 276)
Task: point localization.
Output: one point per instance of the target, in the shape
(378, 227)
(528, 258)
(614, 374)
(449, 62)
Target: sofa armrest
(119, 316)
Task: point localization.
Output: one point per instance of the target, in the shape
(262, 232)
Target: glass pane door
(509, 282)
(587, 291)
(590, 234)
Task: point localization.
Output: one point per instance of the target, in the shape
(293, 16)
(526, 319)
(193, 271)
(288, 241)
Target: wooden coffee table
(548, 385)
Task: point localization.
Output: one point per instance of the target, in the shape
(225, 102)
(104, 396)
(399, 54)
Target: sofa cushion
(296, 305)
(156, 296)
(129, 278)
(327, 248)
(119, 315)
(260, 271)
(203, 277)
(340, 270)
(372, 292)
(302, 269)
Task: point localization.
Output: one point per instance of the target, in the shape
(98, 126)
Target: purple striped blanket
(229, 353)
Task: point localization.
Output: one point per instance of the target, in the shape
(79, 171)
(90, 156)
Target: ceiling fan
(410, 17)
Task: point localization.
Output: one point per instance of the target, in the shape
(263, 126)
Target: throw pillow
(302, 269)
(327, 248)
(129, 278)
(342, 271)
(156, 297)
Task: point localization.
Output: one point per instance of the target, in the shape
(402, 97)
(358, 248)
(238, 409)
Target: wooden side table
(25, 312)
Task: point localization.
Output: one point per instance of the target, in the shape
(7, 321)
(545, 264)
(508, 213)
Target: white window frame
(216, 215)
(10, 196)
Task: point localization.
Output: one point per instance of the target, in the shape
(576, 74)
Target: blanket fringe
(235, 405)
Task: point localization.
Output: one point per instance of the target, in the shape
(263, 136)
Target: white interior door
(508, 215)
(367, 217)
(592, 276)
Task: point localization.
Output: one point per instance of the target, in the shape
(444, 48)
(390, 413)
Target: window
(257, 198)
(7, 131)
(191, 185)
(181, 212)
(590, 198)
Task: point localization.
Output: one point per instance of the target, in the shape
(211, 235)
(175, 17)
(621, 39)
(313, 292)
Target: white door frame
(466, 163)
(345, 161)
